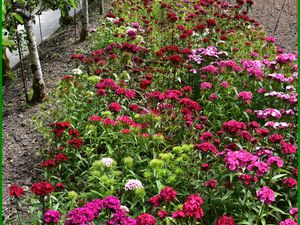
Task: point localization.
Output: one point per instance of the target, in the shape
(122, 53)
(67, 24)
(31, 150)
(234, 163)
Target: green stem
(18, 214)
(260, 214)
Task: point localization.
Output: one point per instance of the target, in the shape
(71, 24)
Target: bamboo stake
(22, 67)
(75, 24)
(40, 25)
(282, 6)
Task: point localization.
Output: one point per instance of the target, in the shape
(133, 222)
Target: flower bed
(183, 113)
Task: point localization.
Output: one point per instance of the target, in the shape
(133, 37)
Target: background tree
(84, 20)
(24, 12)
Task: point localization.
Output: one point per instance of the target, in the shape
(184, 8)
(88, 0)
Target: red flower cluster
(48, 163)
(192, 206)
(206, 146)
(290, 182)
(233, 126)
(59, 127)
(167, 193)
(175, 59)
(145, 219)
(211, 183)
(114, 107)
(211, 22)
(60, 157)
(42, 188)
(16, 191)
(172, 17)
(225, 220)
(75, 142)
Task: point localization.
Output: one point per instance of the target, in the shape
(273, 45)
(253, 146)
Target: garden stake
(22, 67)
(75, 24)
(40, 25)
(279, 17)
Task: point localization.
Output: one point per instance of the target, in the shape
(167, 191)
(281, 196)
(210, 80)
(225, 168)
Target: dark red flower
(168, 193)
(162, 213)
(211, 183)
(156, 200)
(75, 142)
(175, 58)
(211, 22)
(178, 214)
(275, 138)
(192, 206)
(60, 157)
(48, 163)
(145, 219)
(288, 148)
(42, 188)
(59, 186)
(233, 126)
(206, 146)
(205, 166)
(114, 107)
(145, 83)
(225, 220)
(290, 182)
(74, 132)
(16, 191)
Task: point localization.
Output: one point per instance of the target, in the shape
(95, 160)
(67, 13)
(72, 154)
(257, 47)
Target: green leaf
(73, 3)
(18, 17)
(7, 42)
(3, 11)
(159, 185)
(277, 209)
(275, 178)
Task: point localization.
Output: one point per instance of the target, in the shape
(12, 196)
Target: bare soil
(21, 141)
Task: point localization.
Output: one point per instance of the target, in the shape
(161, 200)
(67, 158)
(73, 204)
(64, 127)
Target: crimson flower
(42, 188)
(16, 191)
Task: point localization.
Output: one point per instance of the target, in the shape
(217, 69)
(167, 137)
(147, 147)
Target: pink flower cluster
(280, 77)
(238, 159)
(266, 195)
(286, 58)
(246, 96)
(51, 216)
(264, 114)
(254, 68)
(89, 212)
(292, 98)
(278, 125)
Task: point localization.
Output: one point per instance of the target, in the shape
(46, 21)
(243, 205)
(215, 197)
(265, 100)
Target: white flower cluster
(133, 184)
(107, 161)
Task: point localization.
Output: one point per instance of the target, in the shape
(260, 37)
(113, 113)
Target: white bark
(38, 84)
(84, 20)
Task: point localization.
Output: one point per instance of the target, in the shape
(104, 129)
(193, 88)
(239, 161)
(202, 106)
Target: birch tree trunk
(5, 64)
(84, 20)
(38, 84)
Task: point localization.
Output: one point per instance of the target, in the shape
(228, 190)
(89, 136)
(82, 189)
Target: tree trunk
(5, 64)
(101, 7)
(84, 20)
(38, 84)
